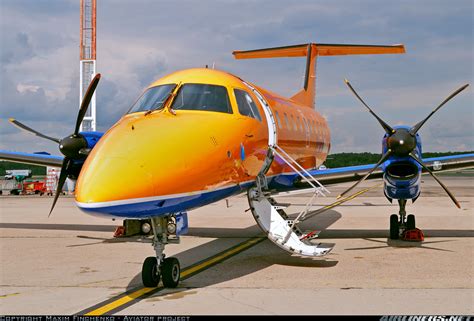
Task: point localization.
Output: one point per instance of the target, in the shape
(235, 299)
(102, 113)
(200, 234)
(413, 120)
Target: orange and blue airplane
(200, 135)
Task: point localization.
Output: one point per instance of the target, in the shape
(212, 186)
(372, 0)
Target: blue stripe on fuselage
(162, 207)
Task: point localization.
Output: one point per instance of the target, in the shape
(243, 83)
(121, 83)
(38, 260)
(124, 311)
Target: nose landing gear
(405, 227)
(154, 268)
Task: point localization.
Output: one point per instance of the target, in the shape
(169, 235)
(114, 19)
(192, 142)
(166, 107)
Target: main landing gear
(154, 268)
(404, 226)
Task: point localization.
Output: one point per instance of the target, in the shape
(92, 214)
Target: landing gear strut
(403, 224)
(154, 268)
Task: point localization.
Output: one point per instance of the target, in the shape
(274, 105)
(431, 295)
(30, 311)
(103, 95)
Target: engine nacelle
(402, 180)
(91, 139)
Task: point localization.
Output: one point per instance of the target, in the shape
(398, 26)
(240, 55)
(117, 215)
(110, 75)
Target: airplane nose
(111, 177)
(156, 157)
(160, 162)
(125, 164)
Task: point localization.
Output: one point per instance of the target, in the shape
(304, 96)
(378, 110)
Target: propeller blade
(383, 159)
(24, 127)
(62, 179)
(389, 130)
(417, 127)
(86, 101)
(436, 178)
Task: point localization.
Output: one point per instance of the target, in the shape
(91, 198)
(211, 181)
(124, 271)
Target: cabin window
(278, 119)
(295, 127)
(247, 106)
(306, 125)
(288, 126)
(202, 97)
(153, 98)
(300, 123)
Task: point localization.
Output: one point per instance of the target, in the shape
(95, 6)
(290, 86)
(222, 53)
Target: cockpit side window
(202, 97)
(153, 98)
(247, 106)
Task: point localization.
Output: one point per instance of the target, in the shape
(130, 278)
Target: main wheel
(411, 222)
(394, 228)
(171, 272)
(150, 272)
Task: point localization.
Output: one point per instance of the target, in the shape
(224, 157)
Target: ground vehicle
(36, 187)
(10, 186)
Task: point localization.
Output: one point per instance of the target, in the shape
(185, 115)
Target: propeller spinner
(402, 142)
(74, 146)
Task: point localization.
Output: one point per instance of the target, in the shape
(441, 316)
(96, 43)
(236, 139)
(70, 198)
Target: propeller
(437, 179)
(73, 146)
(383, 159)
(24, 127)
(402, 142)
(61, 181)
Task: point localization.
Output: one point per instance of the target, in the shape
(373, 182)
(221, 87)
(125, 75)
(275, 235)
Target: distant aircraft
(197, 136)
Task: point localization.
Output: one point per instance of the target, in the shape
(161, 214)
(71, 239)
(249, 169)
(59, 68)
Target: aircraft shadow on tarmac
(401, 243)
(257, 258)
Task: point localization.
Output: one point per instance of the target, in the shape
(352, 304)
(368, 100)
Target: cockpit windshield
(153, 98)
(202, 97)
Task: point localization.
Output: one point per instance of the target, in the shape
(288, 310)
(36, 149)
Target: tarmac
(71, 264)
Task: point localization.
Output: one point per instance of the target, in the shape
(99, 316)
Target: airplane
(200, 135)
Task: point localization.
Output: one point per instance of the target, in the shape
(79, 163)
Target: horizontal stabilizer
(320, 49)
(311, 51)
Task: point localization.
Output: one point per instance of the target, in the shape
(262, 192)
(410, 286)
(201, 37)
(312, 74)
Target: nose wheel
(411, 222)
(154, 268)
(171, 272)
(398, 226)
(394, 227)
(150, 272)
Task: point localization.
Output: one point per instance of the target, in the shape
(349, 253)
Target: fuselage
(206, 140)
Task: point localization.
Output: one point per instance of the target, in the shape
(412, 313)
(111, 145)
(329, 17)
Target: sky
(142, 40)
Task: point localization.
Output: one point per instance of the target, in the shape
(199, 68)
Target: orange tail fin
(307, 95)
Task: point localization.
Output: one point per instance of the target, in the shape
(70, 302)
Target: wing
(34, 159)
(354, 173)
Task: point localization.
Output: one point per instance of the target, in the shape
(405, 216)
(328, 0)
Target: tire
(411, 222)
(171, 271)
(150, 273)
(394, 228)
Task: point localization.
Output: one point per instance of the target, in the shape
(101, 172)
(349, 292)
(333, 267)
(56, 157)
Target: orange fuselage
(148, 156)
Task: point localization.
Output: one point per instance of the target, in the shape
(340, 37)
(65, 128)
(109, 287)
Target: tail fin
(306, 96)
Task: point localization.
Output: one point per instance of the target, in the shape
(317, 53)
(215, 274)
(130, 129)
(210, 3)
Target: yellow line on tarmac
(220, 257)
(185, 273)
(8, 295)
(348, 198)
(339, 202)
(121, 301)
